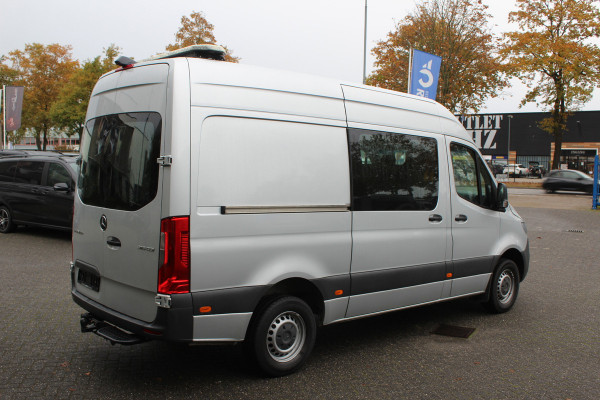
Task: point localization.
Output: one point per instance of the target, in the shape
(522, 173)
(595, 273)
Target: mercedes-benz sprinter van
(219, 202)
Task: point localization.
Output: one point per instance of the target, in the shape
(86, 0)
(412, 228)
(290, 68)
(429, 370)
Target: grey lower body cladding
(176, 323)
(171, 324)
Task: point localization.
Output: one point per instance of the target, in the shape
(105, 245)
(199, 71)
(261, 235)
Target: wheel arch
(297, 287)
(517, 257)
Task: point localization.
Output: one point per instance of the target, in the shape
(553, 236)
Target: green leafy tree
(554, 55)
(43, 70)
(197, 30)
(68, 112)
(457, 31)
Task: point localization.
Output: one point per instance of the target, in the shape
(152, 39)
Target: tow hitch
(108, 331)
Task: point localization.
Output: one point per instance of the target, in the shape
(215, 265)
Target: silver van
(219, 202)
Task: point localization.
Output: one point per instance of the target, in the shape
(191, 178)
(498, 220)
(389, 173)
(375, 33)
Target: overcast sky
(322, 37)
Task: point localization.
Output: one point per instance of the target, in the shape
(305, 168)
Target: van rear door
(118, 207)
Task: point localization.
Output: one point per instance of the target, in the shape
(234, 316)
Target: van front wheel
(504, 287)
(282, 337)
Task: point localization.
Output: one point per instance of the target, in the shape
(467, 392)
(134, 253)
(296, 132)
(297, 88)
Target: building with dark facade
(530, 144)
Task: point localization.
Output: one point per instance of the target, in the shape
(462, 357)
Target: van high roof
(206, 73)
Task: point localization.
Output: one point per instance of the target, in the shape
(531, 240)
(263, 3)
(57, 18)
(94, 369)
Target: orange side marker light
(205, 309)
(449, 275)
(339, 292)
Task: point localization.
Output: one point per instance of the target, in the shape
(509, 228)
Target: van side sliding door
(400, 220)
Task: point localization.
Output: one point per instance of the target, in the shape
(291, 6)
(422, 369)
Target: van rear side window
(118, 161)
(393, 171)
(29, 172)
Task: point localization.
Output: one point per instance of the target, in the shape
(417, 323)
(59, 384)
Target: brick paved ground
(547, 347)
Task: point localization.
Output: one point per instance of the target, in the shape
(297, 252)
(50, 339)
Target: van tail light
(174, 272)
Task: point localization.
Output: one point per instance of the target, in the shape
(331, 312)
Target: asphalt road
(547, 347)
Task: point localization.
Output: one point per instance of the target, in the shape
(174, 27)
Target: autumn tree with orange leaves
(197, 30)
(552, 53)
(457, 31)
(43, 70)
(7, 74)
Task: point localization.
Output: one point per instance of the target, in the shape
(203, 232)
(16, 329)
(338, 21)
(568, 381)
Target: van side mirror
(62, 187)
(501, 197)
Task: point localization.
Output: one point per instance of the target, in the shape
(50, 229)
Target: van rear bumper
(172, 324)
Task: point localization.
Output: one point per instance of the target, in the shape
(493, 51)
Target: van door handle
(461, 218)
(435, 218)
(113, 241)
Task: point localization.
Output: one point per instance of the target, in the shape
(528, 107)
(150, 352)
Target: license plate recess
(89, 279)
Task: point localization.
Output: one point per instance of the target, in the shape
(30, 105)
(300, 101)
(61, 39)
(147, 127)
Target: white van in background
(220, 202)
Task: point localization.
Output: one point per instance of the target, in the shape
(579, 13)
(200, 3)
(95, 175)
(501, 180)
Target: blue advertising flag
(424, 75)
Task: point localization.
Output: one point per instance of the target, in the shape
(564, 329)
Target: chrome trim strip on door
(282, 209)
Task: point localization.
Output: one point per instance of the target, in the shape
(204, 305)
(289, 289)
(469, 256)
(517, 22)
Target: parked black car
(37, 190)
(15, 152)
(11, 152)
(568, 179)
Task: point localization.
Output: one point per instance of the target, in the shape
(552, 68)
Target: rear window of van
(118, 161)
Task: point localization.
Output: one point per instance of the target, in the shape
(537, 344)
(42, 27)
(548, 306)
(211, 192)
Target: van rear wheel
(504, 287)
(6, 222)
(282, 337)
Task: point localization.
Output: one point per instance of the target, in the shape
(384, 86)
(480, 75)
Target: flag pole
(365, 49)
(410, 53)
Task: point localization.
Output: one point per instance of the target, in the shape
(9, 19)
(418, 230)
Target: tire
(6, 222)
(504, 287)
(282, 336)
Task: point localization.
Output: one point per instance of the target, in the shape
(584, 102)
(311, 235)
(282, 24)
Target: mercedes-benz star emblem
(103, 222)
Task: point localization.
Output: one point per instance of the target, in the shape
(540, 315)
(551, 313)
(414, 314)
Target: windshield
(118, 161)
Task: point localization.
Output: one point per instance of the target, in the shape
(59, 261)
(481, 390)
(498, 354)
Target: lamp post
(508, 151)
(365, 48)
(3, 106)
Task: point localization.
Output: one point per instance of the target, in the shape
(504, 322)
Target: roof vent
(209, 51)
(124, 62)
